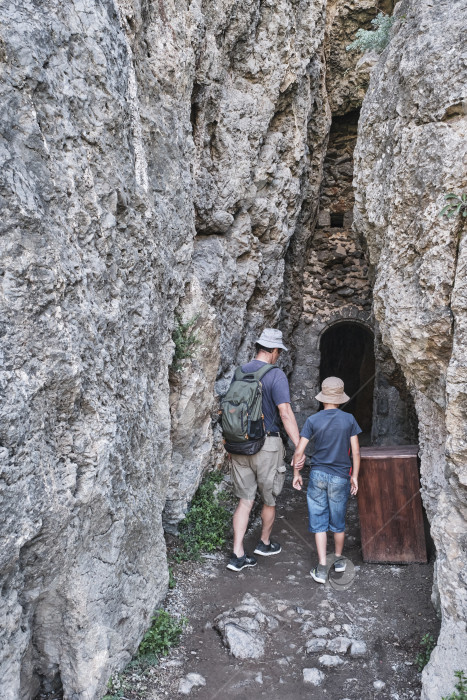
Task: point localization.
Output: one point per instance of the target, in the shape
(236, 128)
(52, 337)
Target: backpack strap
(258, 375)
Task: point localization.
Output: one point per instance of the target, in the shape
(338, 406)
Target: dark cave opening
(347, 351)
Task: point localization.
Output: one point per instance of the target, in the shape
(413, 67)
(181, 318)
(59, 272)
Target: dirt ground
(387, 607)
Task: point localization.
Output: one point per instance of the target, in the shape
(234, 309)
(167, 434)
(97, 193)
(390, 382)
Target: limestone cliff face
(97, 228)
(128, 129)
(259, 128)
(411, 150)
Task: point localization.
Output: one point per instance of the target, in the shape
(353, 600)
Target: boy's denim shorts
(327, 498)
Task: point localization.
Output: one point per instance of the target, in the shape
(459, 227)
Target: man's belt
(271, 433)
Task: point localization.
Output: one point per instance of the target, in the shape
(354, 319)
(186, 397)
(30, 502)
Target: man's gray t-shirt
(331, 430)
(275, 392)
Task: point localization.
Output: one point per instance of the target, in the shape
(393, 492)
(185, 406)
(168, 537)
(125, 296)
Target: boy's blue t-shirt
(275, 391)
(331, 430)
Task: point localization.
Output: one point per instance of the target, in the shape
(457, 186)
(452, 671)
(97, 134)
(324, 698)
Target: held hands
(297, 482)
(353, 485)
(298, 462)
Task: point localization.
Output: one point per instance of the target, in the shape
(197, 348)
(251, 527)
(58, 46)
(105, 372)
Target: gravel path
(356, 637)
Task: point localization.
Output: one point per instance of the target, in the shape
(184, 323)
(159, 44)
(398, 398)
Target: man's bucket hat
(271, 338)
(332, 391)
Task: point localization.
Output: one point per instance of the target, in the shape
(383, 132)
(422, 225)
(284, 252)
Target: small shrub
(164, 633)
(116, 687)
(205, 526)
(172, 580)
(457, 204)
(461, 687)
(373, 40)
(185, 339)
(428, 643)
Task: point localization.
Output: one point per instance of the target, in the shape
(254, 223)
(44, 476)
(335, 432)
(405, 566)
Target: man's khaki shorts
(265, 470)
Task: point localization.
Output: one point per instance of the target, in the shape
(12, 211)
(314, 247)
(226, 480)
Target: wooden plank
(385, 452)
(390, 507)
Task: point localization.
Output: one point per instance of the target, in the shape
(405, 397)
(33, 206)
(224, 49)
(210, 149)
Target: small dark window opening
(337, 220)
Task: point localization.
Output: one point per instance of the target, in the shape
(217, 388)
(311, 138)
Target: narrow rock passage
(355, 638)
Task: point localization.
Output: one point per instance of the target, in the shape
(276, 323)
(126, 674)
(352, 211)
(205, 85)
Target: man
(263, 469)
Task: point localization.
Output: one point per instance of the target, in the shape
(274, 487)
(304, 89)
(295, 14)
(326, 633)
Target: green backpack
(241, 412)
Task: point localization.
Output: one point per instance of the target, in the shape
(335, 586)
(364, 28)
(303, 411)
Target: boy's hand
(298, 462)
(297, 482)
(353, 485)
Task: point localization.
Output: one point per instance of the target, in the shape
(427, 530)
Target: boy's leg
(240, 524)
(318, 509)
(339, 543)
(339, 491)
(321, 544)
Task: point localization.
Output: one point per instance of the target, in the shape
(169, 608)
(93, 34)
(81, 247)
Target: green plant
(373, 40)
(172, 580)
(457, 204)
(185, 339)
(461, 687)
(204, 528)
(164, 633)
(428, 643)
(116, 687)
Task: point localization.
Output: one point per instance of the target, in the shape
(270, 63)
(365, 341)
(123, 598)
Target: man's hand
(353, 485)
(297, 482)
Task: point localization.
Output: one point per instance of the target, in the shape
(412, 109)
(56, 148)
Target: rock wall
(259, 129)
(411, 150)
(336, 283)
(97, 228)
(156, 158)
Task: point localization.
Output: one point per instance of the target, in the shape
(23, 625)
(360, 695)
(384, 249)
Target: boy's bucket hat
(271, 338)
(332, 391)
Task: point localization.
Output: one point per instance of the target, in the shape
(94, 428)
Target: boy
(332, 476)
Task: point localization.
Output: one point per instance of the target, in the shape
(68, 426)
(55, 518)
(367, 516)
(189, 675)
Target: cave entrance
(347, 351)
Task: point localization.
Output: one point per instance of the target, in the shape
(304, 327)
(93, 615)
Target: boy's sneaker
(339, 565)
(239, 563)
(319, 573)
(267, 549)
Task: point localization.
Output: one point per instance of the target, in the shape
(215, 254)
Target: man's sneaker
(239, 563)
(266, 550)
(319, 574)
(339, 565)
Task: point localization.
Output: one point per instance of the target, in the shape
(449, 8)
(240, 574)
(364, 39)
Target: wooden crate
(390, 505)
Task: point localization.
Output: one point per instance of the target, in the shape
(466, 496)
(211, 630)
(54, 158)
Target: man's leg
(339, 543)
(268, 515)
(240, 524)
